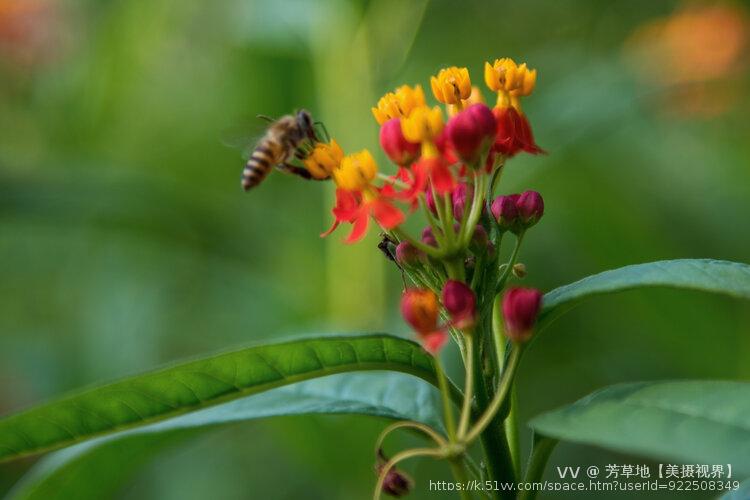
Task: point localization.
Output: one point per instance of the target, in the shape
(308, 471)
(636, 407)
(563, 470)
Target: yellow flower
(356, 171)
(527, 81)
(324, 159)
(398, 104)
(475, 97)
(506, 75)
(451, 85)
(422, 125)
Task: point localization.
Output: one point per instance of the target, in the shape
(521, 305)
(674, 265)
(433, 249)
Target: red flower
(356, 208)
(421, 309)
(513, 133)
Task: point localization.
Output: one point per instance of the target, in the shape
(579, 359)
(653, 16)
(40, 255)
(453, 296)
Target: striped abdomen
(263, 159)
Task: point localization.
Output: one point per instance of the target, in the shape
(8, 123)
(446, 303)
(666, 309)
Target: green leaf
(717, 276)
(198, 384)
(703, 422)
(111, 459)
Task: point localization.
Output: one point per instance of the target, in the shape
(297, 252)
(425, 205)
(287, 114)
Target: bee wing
(244, 138)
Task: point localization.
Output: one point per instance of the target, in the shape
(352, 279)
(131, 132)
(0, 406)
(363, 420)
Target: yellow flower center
(451, 85)
(422, 125)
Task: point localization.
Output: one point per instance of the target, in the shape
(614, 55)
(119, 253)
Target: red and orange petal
(353, 208)
(513, 133)
(433, 341)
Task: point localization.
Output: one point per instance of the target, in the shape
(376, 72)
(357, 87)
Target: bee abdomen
(257, 167)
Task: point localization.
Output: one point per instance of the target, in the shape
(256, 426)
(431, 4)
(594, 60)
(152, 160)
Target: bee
(291, 136)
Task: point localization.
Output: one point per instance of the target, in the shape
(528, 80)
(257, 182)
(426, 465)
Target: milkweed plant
(464, 286)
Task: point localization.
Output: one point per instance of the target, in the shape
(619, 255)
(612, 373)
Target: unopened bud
(460, 303)
(420, 308)
(530, 206)
(519, 270)
(407, 255)
(398, 149)
(505, 211)
(479, 239)
(520, 310)
(395, 483)
(428, 238)
(459, 196)
(472, 131)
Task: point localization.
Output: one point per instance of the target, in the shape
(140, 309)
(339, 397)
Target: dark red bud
(407, 255)
(505, 211)
(520, 310)
(428, 238)
(398, 149)
(430, 201)
(480, 239)
(459, 197)
(530, 206)
(459, 301)
(471, 130)
(395, 483)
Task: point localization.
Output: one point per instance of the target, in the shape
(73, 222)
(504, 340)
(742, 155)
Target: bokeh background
(126, 242)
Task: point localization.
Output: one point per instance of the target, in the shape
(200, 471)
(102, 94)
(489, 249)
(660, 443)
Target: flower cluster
(448, 160)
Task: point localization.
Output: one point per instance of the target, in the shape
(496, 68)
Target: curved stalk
(408, 424)
(399, 457)
(543, 447)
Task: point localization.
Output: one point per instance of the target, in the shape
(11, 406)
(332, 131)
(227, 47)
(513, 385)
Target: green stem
(399, 457)
(499, 464)
(500, 396)
(450, 424)
(476, 211)
(511, 262)
(429, 250)
(459, 474)
(540, 453)
(463, 423)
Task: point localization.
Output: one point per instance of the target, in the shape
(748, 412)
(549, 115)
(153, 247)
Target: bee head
(306, 125)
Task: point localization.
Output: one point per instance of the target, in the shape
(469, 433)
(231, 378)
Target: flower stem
(500, 396)
(408, 424)
(450, 424)
(511, 262)
(463, 423)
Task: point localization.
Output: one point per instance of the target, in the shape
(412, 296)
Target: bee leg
(298, 171)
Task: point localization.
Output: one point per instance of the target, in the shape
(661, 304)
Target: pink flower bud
(460, 303)
(520, 310)
(398, 149)
(530, 206)
(505, 211)
(459, 196)
(395, 483)
(428, 238)
(471, 131)
(407, 255)
(480, 240)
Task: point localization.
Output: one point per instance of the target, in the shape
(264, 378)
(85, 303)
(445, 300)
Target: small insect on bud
(459, 197)
(398, 149)
(460, 303)
(420, 308)
(505, 211)
(407, 255)
(519, 270)
(472, 131)
(520, 310)
(530, 206)
(395, 483)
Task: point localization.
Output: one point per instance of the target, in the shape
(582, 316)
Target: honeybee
(289, 136)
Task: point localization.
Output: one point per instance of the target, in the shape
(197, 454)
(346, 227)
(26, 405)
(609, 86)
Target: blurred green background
(126, 242)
